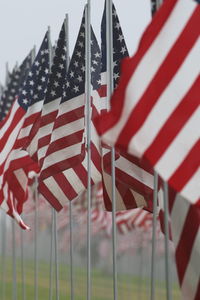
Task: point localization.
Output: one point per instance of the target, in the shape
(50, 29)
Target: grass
(102, 286)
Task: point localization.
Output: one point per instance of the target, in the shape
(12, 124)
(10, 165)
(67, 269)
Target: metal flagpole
(7, 74)
(22, 265)
(51, 257)
(109, 38)
(14, 295)
(167, 254)
(36, 243)
(153, 254)
(3, 253)
(70, 203)
(88, 124)
(56, 254)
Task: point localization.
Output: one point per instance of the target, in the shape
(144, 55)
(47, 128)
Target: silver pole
(4, 240)
(22, 264)
(7, 74)
(88, 110)
(153, 254)
(14, 295)
(56, 254)
(36, 243)
(70, 203)
(109, 38)
(51, 257)
(167, 254)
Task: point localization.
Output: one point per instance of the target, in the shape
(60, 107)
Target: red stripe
(127, 196)
(174, 124)
(95, 157)
(102, 91)
(186, 169)
(45, 191)
(106, 198)
(69, 117)
(110, 119)
(160, 81)
(65, 186)
(187, 238)
(48, 118)
(197, 296)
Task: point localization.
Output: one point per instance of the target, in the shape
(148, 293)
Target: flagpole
(56, 254)
(109, 38)
(153, 254)
(3, 237)
(70, 203)
(88, 110)
(7, 74)
(51, 257)
(36, 242)
(14, 295)
(22, 264)
(167, 254)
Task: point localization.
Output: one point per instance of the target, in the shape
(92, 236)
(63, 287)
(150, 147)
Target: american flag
(14, 86)
(159, 88)
(133, 181)
(64, 171)
(42, 129)
(15, 129)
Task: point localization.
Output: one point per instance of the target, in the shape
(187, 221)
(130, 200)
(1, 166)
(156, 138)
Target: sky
(23, 24)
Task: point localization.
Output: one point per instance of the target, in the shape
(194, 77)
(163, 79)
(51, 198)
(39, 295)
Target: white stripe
(21, 178)
(178, 216)
(25, 131)
(74, 180)
(168, 101)
(180, 147)
(134, 171)
(51, 106)
(139, 199)
(60, 155)
(192, 275)
(72, 104)
(54, 188)
(192, 189)
(6, 126)
(151, 62)
(10, 142)
(67, 129)
(95, 174)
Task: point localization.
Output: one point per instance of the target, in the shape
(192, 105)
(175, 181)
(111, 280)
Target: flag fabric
(64, 171)
(153, 114)
(13, 89)
(156, 91)
(15, 129)
(43, 127)
(134, 182)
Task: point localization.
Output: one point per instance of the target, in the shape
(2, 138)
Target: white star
(42, 52)
(53, 93)
(37, 63)
(114, 13)
(116, 75)
(43, 60)
(95, 62)
(43, 79)
(78, 53)
(71, 74)
(61, 66)
(63, 57)
(31, 92)
(46, 71)
(76, 89)
(25, 101)
(58, 75)
(80, 44)
(82, 34)
(46, 51)
(64, 94)
(120, 38)
(76, 64)
(80, 78)
(67, 84)
(56, 84)
(83, 68)
(97, 54)
(39, 87)
(99, 81)
(31, 82)
(117, 26)
(35, 96)
(115, 63)
(123, 50)
(24, 92)
(92, 69)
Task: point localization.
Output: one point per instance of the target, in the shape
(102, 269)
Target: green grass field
(129, 288)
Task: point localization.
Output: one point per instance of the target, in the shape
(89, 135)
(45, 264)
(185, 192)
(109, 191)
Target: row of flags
(153, 111)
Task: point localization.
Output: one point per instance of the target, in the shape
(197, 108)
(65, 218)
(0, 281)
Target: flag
(64, 171)
(13, 89)
(156, 91)
(153, 115)
(134, 182)
(43, 127)
(15, 129)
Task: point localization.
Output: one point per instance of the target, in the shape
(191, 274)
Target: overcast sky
(23, 24)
